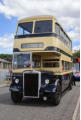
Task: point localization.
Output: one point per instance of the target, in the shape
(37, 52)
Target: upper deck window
(63, 36)
(57, 29)
(43, 26)
(25, 28)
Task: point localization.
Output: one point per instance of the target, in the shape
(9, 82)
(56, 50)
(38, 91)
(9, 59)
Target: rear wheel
(16, 97)
(57, 95)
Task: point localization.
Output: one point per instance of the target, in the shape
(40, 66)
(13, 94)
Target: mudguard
(51, 88)
(15, 88)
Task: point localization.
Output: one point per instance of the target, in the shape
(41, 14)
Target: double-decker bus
(42, 60)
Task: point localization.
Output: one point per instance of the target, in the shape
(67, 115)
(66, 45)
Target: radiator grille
(31, 84)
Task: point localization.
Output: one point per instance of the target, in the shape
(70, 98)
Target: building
(4, 64)
(5, 67)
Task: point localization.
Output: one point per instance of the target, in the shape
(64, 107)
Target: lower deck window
(66, 65)
(36, 63)
(52, 64)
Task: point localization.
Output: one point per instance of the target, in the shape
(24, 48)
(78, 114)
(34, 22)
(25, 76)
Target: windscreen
(25, 28)
(21, 60)
(43, 26)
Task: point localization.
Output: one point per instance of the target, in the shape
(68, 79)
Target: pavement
(4, 85)
(78, 114)
(34, 109)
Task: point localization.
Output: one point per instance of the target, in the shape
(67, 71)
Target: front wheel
(55, 100)
(16, 97)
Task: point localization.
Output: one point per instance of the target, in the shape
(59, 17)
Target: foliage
(77, 54)
(6, 56)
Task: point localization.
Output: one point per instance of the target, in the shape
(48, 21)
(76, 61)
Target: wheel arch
(56, 83)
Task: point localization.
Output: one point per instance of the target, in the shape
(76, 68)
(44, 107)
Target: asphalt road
(36, 109)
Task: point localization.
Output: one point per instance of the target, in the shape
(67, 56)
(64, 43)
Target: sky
(67, 12)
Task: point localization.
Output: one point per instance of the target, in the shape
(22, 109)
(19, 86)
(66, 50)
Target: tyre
(16, 97)
(55, 100)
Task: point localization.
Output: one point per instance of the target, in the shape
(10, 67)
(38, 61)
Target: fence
(3, 74)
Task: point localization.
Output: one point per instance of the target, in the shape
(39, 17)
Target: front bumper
(44, 90)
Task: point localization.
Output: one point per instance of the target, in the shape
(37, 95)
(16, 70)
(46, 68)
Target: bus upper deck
(49, 44)
(38, 33)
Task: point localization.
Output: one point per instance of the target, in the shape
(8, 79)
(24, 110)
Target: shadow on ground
(6, 100)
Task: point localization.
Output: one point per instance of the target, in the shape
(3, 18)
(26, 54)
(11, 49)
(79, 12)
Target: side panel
(65, 81)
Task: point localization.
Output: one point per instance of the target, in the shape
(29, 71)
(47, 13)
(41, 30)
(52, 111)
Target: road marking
(76, 109)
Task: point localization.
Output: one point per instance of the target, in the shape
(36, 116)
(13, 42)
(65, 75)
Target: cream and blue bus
(42, 60)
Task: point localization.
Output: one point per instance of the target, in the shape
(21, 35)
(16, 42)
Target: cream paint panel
(66, 58)
(61, 45)
(47, 41)
(55, 70)
(36, 18)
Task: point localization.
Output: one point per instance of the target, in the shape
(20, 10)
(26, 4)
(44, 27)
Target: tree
(6, 56)
(77, 54)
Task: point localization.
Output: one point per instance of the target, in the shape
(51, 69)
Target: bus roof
(37, 18)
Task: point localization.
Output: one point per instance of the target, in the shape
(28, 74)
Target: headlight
(47, 81)
(16, 81)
